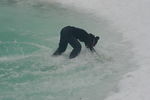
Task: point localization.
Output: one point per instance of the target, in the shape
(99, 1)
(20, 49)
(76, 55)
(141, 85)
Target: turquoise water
(29, 34)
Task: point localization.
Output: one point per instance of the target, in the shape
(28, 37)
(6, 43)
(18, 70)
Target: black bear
(71, 35)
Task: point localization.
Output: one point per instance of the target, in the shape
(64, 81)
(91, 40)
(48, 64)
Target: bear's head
(91, 41)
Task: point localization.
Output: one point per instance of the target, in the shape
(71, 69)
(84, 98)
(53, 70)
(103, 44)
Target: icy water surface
(29, 34)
